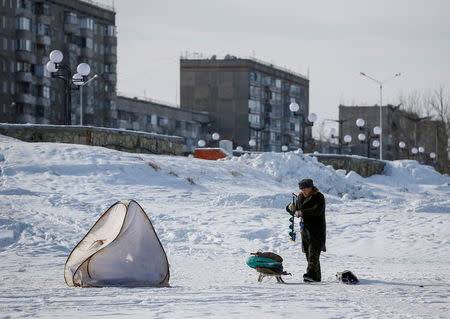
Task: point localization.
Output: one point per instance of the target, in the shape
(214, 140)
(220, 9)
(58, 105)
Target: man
(310, 206)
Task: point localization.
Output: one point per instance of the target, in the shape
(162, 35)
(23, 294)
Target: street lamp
(63, 72)
(414, 150)
(433, 155)
(402, 146)
(347, 140)
(380, 83)
(252, 143)
(76, 80)
(309, 121)
(421, 151)
(284, 148)
(201, 143)
(376, 143)
(215, 136)
(362, 137)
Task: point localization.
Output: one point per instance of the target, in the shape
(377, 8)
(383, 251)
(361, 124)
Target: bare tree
(413, 103)
(440, 104)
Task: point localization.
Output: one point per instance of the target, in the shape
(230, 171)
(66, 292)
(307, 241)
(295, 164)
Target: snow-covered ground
(391, 230)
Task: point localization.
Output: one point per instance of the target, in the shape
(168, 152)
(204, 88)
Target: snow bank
(290, 168)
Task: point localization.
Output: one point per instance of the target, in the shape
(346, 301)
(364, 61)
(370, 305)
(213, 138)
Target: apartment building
(83, 31)
(248, 100)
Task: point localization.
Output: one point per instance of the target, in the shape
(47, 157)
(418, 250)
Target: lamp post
(380, 83)
(347, 140)
(252, 144)
(414, 151)
(62, 71)
(333, 135)
(81, 84)
(402, 145)
(421, 151)
(362, 137)
(309, 121)
(215, 136)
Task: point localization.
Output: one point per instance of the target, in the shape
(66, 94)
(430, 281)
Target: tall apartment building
(398, 126)
(84, 32)
(247, 100)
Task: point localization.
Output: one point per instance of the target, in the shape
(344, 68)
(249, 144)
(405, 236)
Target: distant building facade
(247, 100)
(398, 126)
(150, 116)
(84, 32)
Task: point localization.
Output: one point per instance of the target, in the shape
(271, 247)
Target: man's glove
(298, 213)
(290, 209)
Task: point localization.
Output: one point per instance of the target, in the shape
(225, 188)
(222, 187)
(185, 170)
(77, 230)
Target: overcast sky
(334, 40)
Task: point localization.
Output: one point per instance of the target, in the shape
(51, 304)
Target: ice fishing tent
(121, 249)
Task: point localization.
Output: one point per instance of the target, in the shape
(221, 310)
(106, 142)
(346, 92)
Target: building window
(24, 45)
(110, 31)
(5, 44)
(87, 43)
(255, 77)
(110, 68)
(255, 92)
(278, 83)
(162, 121)
(4, 22)
(154, 119)
(12, 88)
(5, 86)
(295, 90)
(110, 50)
(23, 66)
(23, 4)
(12, 67)
(87, 23)
(70, 17)
(43, 29)
(254, 106)
(254, 119)
(23, 23)
(41, 8)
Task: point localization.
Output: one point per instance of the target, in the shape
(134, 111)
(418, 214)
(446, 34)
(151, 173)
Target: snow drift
(122, 249)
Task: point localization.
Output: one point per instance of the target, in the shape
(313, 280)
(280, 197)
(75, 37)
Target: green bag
(262, 262)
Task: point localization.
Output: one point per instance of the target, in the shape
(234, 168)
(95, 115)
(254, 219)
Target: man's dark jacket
(313, 213)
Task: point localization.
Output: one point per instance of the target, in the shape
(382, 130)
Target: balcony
(72, 48)
(71, 28)
(44, 19)
(110, 40)
(26, 118)
(24, 12)
(26, 56)
(24, 34)
(24, 77)
(86, 52)
(275, 115)
(86, 33)
(43, 39)
(111, 59)
(25, 98)
(43, 101)
(111, 77)
(111, 95)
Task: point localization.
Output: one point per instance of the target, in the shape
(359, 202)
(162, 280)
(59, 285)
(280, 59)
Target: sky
(331, 41)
